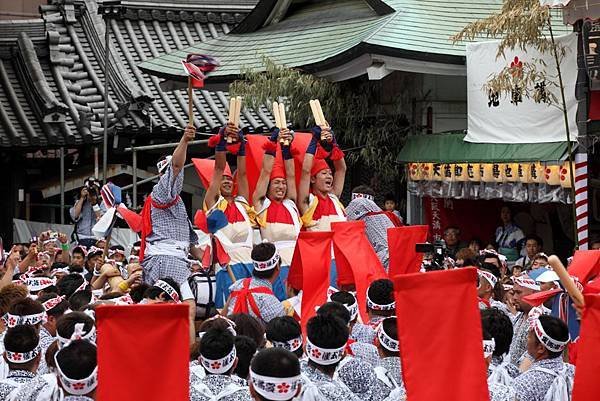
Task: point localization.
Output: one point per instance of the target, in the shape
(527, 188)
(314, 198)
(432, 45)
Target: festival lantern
(523, 174)
(473, 172)
(448, 172)
(552, 174)
(565, 175)
(486, 172)
(437, 172)
(460, 172)
(497, 172)
(536, 173)
(426, 170)
(414, 171)
(510, 172)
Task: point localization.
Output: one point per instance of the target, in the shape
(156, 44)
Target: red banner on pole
(401, 244)
(587, 386)
(143, 352)
(439, 328)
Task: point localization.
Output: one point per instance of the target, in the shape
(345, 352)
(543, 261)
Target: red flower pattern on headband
(316, 353)
(78, 386)
(215, 365)
(283, 388)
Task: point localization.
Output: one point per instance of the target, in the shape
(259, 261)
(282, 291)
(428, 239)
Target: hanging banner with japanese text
(527, 115)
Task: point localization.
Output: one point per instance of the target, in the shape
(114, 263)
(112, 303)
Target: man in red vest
(254, 295)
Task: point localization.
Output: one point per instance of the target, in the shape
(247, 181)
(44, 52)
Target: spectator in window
(453, 243)
(509, 238)
(533, 245)
(390, 205)
(86, 212)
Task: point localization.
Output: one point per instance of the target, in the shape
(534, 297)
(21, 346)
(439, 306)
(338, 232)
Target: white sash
(230, 389)
(560, 389)
(500, 373)
(178, 249)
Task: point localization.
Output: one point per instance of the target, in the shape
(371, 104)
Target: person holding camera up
(86, 212)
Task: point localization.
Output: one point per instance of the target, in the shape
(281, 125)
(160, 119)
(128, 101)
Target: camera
(437, 250)
(92, 186)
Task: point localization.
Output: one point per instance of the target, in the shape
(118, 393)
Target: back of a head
(166, 289)
(69, 284)
(387, 336)
(274, 366)
(327, 331)
(65, 326)
(556, 329)
(500, 328)
(246, 325)
(348, 300)
(21, 345)
(80, 299)
(380, 296)
(285, 332)
(78, 363)
(53, 304)
(217, 351)
(25, 306)
(10, 294)
(264, 253)
(364, 190)
(335, 309)
(245, 348)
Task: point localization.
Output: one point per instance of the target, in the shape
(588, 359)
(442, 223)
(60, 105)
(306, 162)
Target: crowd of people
(246, 340)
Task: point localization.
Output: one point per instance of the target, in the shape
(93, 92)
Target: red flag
(356, 261)
(538, 298)
(585, 265)
(587, 386)
(401, 243)
(194, 73)
(439, 328)
(134, 361)
(310, 270)
(133, 219)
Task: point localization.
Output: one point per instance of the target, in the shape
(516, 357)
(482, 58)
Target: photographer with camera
(87, 211)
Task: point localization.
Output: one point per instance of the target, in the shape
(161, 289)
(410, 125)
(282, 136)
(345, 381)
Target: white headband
(23, 357)
(386, 341)
(39, 283)
(291, 345)
(219, 366)
(353, 308)
(488, 347)
(356, 195)
(324, 356)
(374, 306)
(262, 266)
(90, 336)
(526, 282)
(275, 388)
(14, 320)
(166, 287)
(53, 302)
(489, 277)
(82, 286)
(163, 164)
(550, 343)
(77, 386)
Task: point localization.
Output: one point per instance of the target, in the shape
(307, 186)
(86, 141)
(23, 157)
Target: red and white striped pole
(581, 199)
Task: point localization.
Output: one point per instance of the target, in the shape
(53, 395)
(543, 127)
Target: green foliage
(371, 134)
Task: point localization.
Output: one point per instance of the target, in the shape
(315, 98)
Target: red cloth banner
(356, 261)
(439, 328)
(401, 244)
(585, 265)
(309, 270)
(587, 385)
(143, 352)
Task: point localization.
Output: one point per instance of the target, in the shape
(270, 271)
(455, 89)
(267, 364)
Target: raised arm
(260, 192)
(307, 163)
(212, 192)
(242, 176)
(339, 176)
(290, 168)
(180, 152)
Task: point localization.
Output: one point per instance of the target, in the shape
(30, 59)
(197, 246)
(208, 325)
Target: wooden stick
(566, 280)
(231, 109)
(286, 142)
(321, 115)
(276, 114)
(315, 112)
(190, 103)
(238, 110)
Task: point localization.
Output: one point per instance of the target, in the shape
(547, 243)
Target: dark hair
(49, 356)
(25, 306)
(335, 309)
(154, 292)
(216, 343)
(58, 265)
(389, 197)
(75, 269)
(263, 252)
(556, 329)
(326, 332)
(275, 362)
(363, 189)
(69, 284)
(117, 248)
(381, 292)
(343, 297)
(77, 360)
(21, 338)
(500, 327)
(534, 237)
(390, 326)
(65, 325)
(78, 249)
(59, 309)
(80, 299)
(9, 294)
(283, 329)
(250, 326)
(245, 348)
(137, 292)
